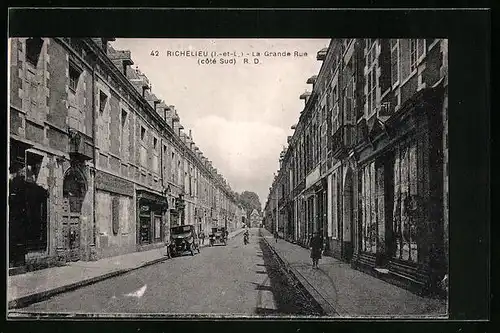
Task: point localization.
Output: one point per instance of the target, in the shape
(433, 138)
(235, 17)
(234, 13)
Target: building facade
(367, 164)
(98, 165)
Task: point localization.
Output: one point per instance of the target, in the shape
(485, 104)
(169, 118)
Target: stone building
(99, 166)
(367, 163)
(255, 219)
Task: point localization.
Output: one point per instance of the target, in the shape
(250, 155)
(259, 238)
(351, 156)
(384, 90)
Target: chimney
(121, 59)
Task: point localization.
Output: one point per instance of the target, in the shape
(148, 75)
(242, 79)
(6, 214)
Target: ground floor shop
(152, 211)
(399, 232)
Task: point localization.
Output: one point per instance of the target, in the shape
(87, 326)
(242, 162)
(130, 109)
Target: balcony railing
(343, 139)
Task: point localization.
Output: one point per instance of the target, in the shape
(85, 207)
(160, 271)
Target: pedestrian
(316, 246)
(276, 236)
(202, 237)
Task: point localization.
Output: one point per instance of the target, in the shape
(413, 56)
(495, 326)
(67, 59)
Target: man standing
(202, 237)
(316, 245)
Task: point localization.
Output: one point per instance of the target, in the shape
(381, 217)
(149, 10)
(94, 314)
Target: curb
(24, 301)
(328, 309)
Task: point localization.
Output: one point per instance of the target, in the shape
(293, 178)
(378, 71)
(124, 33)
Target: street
(234, 279)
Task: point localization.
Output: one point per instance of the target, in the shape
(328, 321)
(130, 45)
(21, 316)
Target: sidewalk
(346, 292)
(32, 287)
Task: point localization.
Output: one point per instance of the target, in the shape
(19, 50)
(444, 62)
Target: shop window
(33, 50)
(407, 204)
(157, 224)
(369, 209)
(145, 223)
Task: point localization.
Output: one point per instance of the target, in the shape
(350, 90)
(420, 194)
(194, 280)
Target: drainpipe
(94, 137)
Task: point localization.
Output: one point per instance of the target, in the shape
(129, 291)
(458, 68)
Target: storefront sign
(312, 177)
(107, 182)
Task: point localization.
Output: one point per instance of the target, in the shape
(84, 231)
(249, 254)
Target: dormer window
(33, 50)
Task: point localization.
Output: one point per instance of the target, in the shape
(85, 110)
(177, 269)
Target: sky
(240, 114)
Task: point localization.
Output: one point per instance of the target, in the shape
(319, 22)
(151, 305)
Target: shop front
(151, 210)
(399, 230)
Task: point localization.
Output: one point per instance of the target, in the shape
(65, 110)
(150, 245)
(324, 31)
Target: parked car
(218, 236)
(183, 239)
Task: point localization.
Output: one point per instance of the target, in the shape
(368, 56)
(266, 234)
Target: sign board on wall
(313, 177)
(111, 183)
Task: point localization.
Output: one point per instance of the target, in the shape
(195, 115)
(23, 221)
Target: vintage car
(218, 236)
(183, 239)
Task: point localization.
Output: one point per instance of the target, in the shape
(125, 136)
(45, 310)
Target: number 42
(154, 53)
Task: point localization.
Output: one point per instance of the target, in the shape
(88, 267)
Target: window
(430, 42)
(124, 138)
(394, 62)
(413, 55)
(33, 166)
(143, 156)
(349, 100)
(115, 213)
(368, 209)
(329, 100)
(371, 78)
(124, 118)
(407, 204)
(74, 76)
(143, 133)
(420, 49)
(103, 98)
(33, 50)
(155, 144)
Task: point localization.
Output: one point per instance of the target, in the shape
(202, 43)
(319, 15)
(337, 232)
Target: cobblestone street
(235, 279)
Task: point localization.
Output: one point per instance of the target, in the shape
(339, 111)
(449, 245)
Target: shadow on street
(290, 299)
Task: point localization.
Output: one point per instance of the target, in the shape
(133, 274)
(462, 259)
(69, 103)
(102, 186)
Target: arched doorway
(74, 190)
(348, 211)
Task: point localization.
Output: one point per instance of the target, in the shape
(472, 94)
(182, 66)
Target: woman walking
(316, 245)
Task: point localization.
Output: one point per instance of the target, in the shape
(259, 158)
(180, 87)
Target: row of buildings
(99, 166)
(367, 163)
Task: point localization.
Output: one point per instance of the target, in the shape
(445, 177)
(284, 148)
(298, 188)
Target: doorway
(348, 216)
(74, 190)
